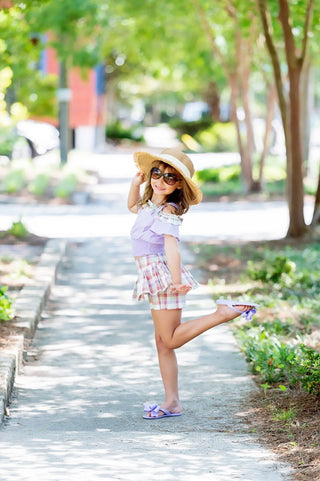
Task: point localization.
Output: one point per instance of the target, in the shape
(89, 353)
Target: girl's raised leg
(176, 334)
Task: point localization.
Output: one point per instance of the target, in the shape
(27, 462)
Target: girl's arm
(134, 192)
(172, 252)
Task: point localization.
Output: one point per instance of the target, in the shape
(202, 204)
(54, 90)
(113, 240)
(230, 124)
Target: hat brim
(144, 161)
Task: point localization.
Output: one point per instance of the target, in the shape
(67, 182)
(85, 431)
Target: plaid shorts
(154, 281)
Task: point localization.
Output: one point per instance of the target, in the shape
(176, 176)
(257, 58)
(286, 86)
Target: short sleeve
(166, 224)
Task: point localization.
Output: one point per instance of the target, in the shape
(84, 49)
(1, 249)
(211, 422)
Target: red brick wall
(86, 107)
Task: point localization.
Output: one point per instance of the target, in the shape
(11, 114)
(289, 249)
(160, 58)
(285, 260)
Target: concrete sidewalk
(77, 410)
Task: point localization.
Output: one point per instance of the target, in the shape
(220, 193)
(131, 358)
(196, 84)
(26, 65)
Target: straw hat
(177, 159)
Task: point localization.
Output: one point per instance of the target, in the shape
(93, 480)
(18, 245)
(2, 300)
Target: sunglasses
(169, 178)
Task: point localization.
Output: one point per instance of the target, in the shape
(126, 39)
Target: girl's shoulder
(165, 213)
(170, 208)
(169, 214)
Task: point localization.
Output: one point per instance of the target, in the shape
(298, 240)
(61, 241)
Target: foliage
(281, 343)
(220, 137)
(13, 181)
(309, 369)
(7, 140)
(115, 130)
(290, 272)
(18, 229)
(70, 25)
(219, 174)
(39, 184)
(6, 309)
(277, 269)
(277, 361)
(20, 52)
(190, 128)
(66, 186)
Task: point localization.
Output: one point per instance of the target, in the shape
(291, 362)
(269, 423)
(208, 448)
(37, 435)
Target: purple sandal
(153, 412)
(248, 315)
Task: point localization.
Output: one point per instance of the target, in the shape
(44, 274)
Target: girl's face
(159, 186)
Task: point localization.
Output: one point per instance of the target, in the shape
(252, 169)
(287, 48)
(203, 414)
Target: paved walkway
(77, 411)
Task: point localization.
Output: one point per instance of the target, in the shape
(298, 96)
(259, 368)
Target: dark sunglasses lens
(156, 173)
(170, 179)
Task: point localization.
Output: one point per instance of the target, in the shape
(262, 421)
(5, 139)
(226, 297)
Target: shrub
(66, 186)
(8, 138)
(6, 309)
(275, 269)
(116, 131)
(190, 128)
(18, 229)
(220, 137)
(13, 181)
(268, 356)
(39, 184)
(275, 361)
(309, 369)
(221, 174)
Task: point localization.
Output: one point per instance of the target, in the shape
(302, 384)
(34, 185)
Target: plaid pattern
(154, 281)
(167, 300)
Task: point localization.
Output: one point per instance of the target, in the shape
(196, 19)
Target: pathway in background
(108, 214)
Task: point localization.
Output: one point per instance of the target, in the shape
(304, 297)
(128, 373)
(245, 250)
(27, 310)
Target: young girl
(168, 193)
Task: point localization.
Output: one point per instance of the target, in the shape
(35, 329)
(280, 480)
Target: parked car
(40, 136)
(27, 139)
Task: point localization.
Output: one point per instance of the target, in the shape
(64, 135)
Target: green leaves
(6, 310)
(275, 361)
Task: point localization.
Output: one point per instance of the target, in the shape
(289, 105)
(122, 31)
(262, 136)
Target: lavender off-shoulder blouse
(147, 233)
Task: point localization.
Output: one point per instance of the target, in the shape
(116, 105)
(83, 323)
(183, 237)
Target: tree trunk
(249, 144)
(271, 100)
(213, 100)
(233, 73)
(316, 211)
(295, 188)
(233, 82)
(307, 105)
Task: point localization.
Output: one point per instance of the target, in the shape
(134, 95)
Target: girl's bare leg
(174, 334)
(171, 334)
(168, 364)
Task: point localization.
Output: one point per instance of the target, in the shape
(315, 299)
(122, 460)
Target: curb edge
(29, 306)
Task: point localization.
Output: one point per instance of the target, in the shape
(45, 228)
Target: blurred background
(222, 77)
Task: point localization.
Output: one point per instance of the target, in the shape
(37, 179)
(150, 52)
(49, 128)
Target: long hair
(181, 197)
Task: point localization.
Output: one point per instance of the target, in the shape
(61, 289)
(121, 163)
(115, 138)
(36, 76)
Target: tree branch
(306, 29)
(289, 44)
(262, 6)
(211, 36)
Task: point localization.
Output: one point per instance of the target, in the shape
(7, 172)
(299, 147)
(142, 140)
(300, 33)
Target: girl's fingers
(180, 289)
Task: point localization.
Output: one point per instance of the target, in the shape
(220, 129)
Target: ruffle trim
(156, 278)
(164, 216)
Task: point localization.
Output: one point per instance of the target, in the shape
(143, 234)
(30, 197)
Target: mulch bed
(12, 250)
(295, 441)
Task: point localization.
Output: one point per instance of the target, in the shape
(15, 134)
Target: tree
(171, 45)
(295, 23)
(73, 30)
(20, 51)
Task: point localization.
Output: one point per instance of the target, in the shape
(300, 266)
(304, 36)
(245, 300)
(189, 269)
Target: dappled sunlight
(52, 458)
(79, 400)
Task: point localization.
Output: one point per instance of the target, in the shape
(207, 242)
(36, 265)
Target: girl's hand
(180, 288)
(138, 179)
